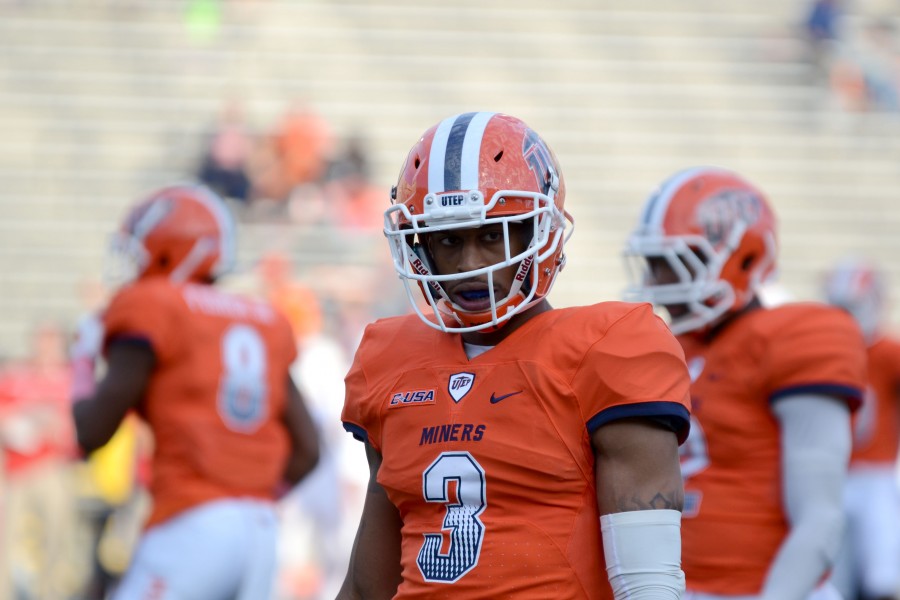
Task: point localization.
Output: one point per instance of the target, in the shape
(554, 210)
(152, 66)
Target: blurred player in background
(38, 514)
(869, 563)
(503, 435)
(209, 372)
(771, 397)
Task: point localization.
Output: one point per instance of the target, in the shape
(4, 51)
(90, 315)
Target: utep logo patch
(539, 160)
(413, 398)
(460, 384)
(718, 214)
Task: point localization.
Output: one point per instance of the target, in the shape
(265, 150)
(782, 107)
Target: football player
(772, 391)
(208, 371)
(503, 435)
(868, 566)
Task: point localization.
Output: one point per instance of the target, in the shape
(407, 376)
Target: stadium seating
(101, 100)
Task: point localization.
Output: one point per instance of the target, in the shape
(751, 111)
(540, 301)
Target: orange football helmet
(705, 243)
(468, 171)
(182, 231)
(857, 286)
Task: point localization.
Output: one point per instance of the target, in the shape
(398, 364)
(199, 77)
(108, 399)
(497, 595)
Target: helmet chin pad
(485, 321)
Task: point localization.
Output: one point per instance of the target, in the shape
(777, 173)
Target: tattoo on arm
(661, 500)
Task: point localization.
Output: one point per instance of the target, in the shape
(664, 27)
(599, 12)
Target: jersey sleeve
(817, 351)
(361, 415)
(636, 369)
(145, 313)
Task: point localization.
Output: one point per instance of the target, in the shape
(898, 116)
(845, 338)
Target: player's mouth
(473, 298)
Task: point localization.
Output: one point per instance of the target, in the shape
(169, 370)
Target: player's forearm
(808, 552)
(92, 429)
(643, 554)
(804, 558)
(355, 588)
(815, 447)
(374, 569)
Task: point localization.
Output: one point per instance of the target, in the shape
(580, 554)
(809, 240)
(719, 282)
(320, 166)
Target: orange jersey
(217, 392)
(490, 461)
(734, 519)
(876, 424)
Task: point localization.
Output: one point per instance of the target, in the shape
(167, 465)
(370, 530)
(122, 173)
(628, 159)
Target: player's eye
(446, 239)
(492, 235)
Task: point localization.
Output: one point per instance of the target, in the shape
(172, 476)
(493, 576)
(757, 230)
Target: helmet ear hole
(748, 262)
(498, 156)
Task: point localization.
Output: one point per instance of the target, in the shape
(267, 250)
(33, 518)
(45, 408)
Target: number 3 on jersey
(466, 531)
(243, 394)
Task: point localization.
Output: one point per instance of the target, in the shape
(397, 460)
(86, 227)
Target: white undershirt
(474, 350)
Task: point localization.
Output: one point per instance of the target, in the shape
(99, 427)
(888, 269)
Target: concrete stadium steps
(101, 101)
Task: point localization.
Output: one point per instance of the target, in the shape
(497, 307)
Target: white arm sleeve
(643, 554)
(815, 448)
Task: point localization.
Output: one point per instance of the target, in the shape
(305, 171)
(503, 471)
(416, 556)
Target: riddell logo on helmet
(523, 272)
(419, 267)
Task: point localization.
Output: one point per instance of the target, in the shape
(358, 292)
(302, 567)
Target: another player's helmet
(714, 235)
(182, 231)
(857, 286)
(468, 171)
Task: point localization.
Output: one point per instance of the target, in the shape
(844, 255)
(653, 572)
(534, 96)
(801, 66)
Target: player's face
(660, 272)
(463, 250)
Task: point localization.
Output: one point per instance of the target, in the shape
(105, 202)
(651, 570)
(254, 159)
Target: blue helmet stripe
(453, 154)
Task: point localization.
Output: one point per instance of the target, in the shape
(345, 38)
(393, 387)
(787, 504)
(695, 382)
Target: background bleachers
(101, 100)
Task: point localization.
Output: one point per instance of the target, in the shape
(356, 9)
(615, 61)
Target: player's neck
(730, 318)
(492, 338)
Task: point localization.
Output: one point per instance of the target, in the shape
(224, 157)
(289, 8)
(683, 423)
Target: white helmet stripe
(455, 152)
(471, 151)
(226, 227)
(655, 211)
(436, 156)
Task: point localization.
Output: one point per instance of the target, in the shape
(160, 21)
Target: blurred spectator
(293, 156)
(847, 82)
(821, 23)
(865, 73)
(881, 65)
(352, 160)
(356, 204)
(821, 27)
(227, 152)
(38, 445)
(303, 141)
(297, 301)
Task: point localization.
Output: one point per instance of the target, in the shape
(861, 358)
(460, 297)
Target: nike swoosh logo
(496, 399)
